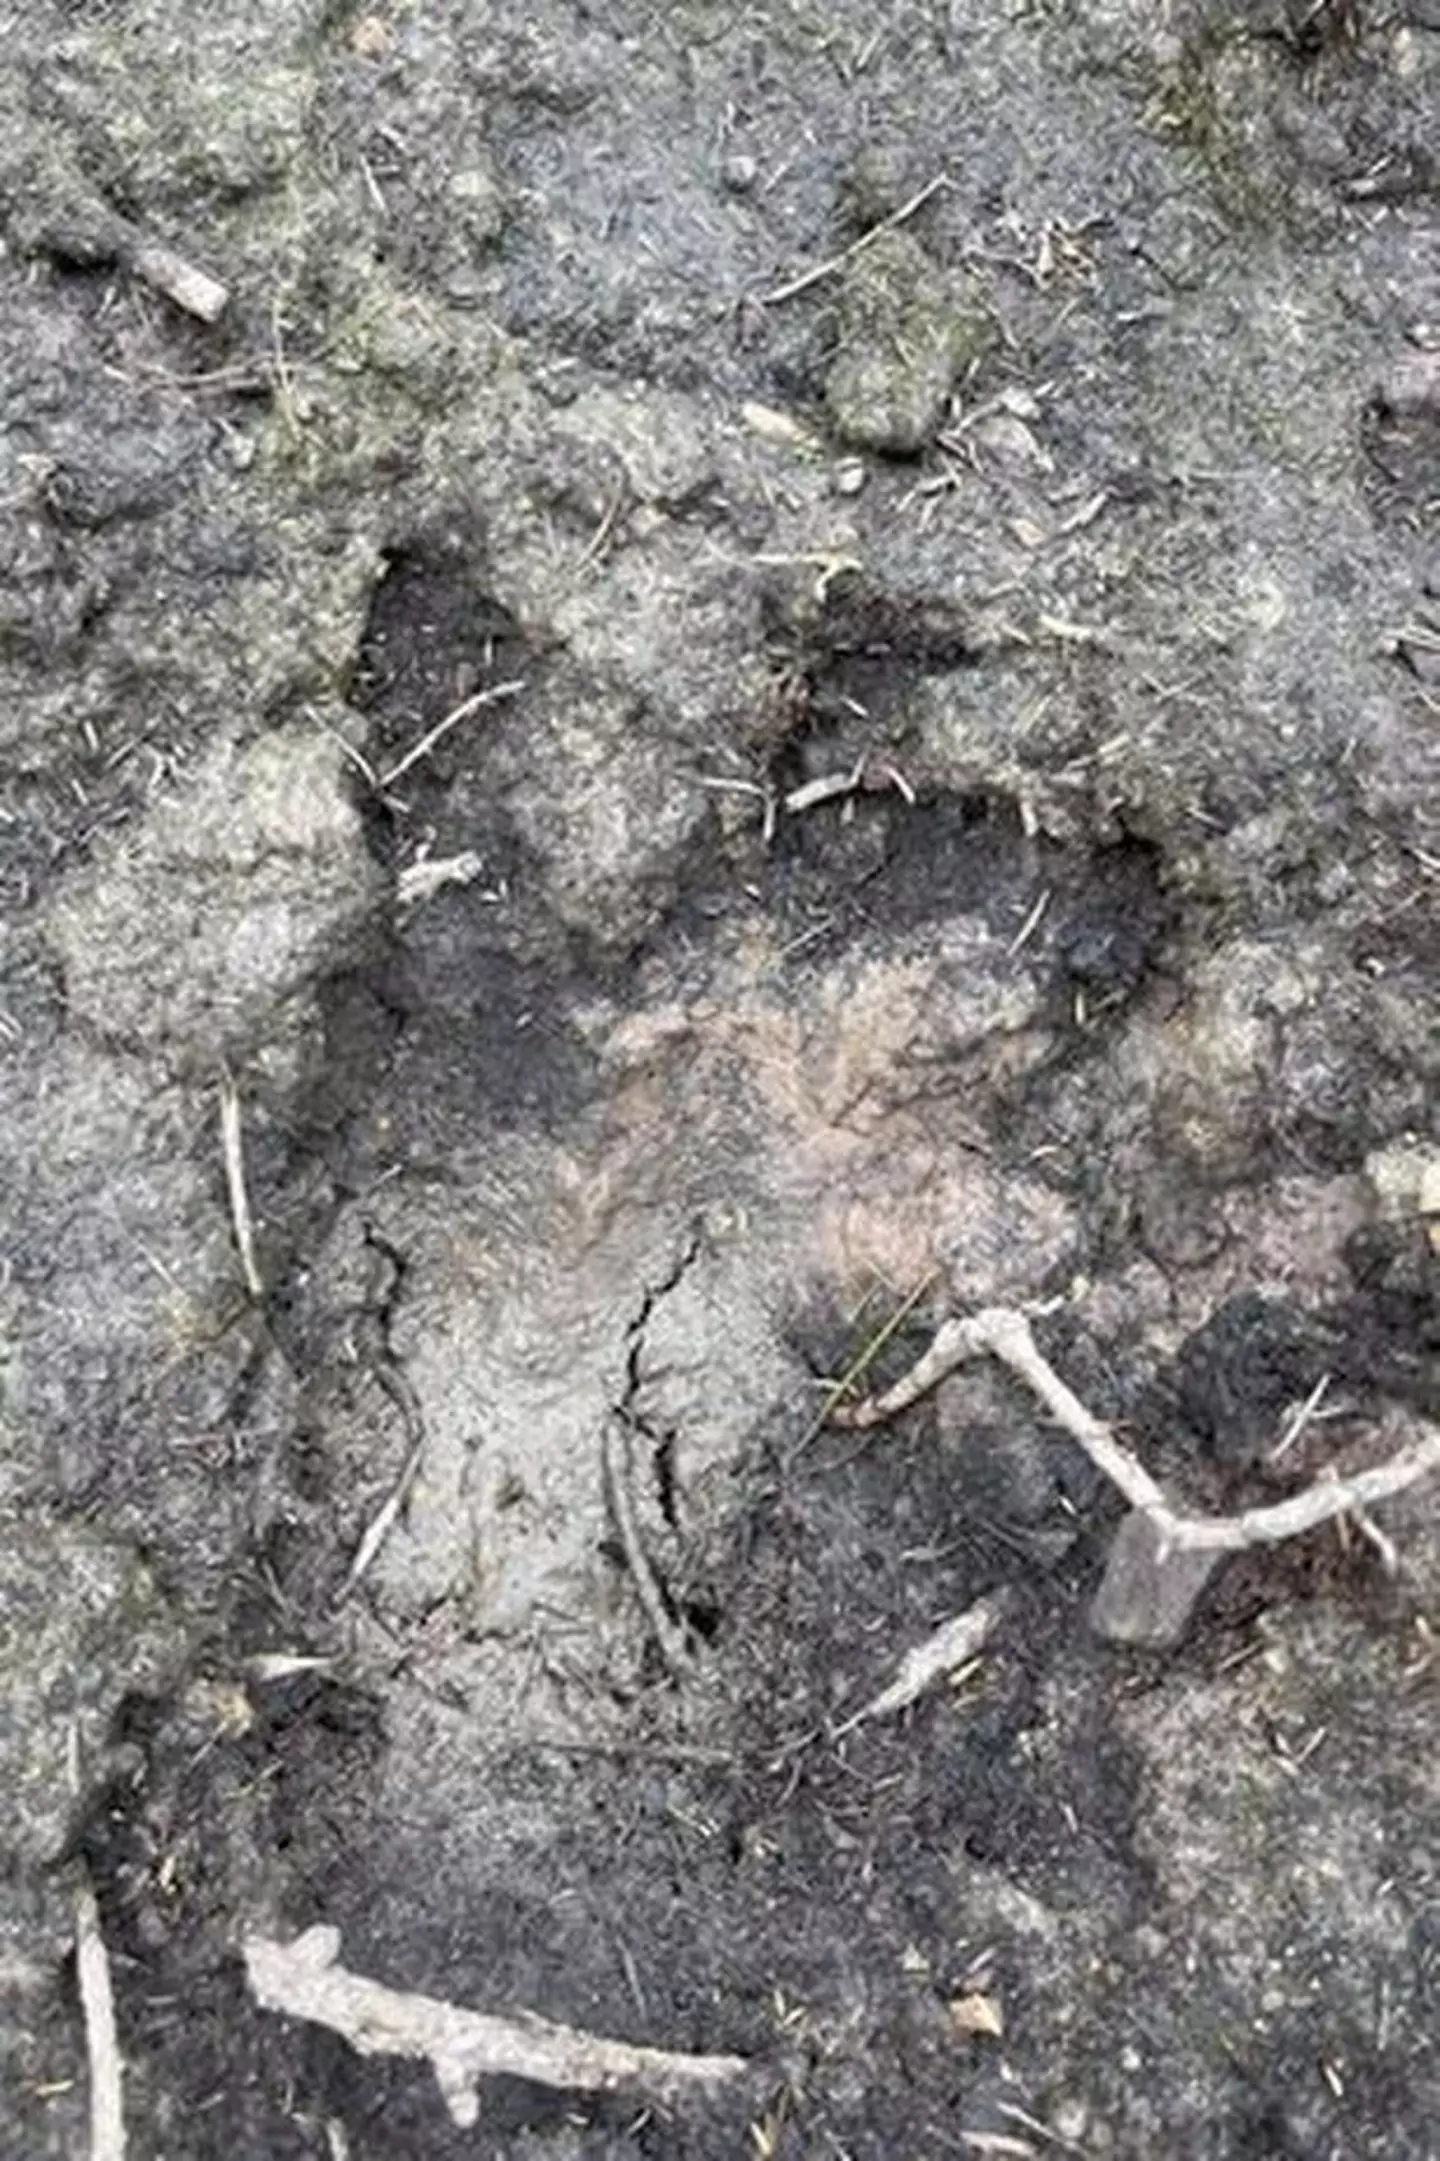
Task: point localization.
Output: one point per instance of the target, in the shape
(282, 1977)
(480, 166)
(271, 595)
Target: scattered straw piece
(233, 1147)
(824, 789)
(804, 279)
(828, 786)
(107, 2121)
(464, 2047)
(473, 704)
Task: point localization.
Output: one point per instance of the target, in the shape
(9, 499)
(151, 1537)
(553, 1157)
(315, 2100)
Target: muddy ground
(1028, 416)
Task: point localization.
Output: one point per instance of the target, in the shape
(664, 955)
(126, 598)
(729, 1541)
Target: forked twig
(1005, 1334)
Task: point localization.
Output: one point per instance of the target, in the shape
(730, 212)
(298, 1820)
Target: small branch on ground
(107, 2121)
(1001, 1332)
(303, 1980)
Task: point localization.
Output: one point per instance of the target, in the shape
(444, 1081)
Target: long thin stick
(441, 729)
(304, 1980)
(107, 2121)
(806, 278)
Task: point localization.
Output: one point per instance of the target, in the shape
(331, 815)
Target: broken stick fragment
(305, 1980)
(190, 288)
(97, 1998)
(69, 221)
(953, 1646)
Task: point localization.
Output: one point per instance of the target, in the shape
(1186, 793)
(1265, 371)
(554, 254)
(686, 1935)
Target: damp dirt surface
(682, 689)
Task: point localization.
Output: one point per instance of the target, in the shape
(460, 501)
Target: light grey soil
(1028, 415)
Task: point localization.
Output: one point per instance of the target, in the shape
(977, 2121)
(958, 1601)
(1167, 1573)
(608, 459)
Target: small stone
(850, 477)
(371, 38)
(465, 287)
(1071, 2119)
(977, 2014)
(739, 173)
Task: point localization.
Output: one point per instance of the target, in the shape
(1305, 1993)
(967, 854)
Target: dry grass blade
(233, 1147)
(804, 279)
(830, 1411)
(473, 704)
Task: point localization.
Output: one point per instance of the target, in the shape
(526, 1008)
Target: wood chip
(1149, 1589)
(951, 1646)
(191, 289)
(977, 2013)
